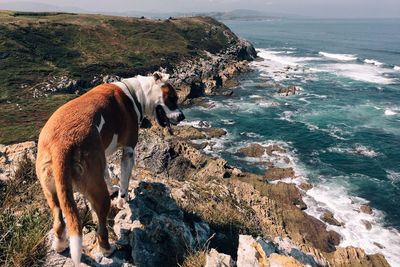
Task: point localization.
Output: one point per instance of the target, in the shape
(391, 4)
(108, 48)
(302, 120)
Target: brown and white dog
(75, 141)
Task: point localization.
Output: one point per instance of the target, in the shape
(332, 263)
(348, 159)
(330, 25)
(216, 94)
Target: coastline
(277, 208)
(205, 187)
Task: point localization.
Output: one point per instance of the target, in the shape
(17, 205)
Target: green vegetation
(24, 219)
(35, 47)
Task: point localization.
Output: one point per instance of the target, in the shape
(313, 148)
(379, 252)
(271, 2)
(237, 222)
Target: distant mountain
(241, 14)
(39, 7)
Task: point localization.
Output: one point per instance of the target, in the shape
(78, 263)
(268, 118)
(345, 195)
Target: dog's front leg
(128, 158)
(112, 189)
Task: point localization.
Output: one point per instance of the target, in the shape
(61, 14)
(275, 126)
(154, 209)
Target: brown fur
(71, 154)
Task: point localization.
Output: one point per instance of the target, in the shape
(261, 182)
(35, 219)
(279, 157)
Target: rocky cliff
(187, 207)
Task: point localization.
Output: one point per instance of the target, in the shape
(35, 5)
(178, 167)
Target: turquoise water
(343, 129)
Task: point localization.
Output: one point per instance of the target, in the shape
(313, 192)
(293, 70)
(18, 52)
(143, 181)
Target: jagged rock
(11, 155)
(366, 209)
(329, 218)
(305, 186)
(215, 259)
(152, 152)
(367, 224)
(188, 132)
(356, 257)
(227, 93)
(257, 150)
(254, 150)
(247, 254)
(166, 233)
(200, 146)
(283, 261)
(287, 91)
(270, 149)
(274, 173)
(214, 132)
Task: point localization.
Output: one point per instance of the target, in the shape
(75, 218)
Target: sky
(312, 8)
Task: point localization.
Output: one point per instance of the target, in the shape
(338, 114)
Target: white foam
(357, 150)
(389, 112)
(228, 122)
(359, 72)
(251, 134)
(346, 209)
(196, 123)
(281, 66)
(287, 115)
(393, 176)
(340, 57)
(396, 68)
(373, 62)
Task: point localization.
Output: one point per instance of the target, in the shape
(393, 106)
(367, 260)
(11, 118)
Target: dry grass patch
(24, 219)
(195, 259)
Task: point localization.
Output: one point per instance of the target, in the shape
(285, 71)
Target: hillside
(47, 57)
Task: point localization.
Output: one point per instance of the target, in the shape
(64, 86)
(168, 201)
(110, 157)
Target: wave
(346, 209)
(393, 176)
(373, 62)
(357, 150)
(396, 68)
(359, 72)
(340, 57)
(389, 112)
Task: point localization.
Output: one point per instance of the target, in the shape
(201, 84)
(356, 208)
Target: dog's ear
(159, 76)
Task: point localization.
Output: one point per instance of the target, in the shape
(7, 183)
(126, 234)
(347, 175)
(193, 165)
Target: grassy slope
(44, 45)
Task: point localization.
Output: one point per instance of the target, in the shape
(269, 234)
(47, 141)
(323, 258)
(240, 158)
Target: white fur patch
(75, 247)
(112, 146)
(102, 121)
(128, 94)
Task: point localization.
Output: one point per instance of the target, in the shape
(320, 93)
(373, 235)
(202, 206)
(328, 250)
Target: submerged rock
(287, 91)
(366, 209)
(305, 186)
(329, 218)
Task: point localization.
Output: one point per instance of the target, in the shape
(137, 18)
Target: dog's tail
(62, 160)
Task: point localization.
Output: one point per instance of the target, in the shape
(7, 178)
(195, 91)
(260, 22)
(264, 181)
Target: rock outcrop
(11, 155)
(182, 200)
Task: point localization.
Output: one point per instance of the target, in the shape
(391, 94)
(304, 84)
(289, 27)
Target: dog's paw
(113, 191)
(107, 252)
(60, 244)
(121, 202)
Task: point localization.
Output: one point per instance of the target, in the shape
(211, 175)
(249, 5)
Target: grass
(40, 46)
(195, 259)
(24, 219)
(224, 214)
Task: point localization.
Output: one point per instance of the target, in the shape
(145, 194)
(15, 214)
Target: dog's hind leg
(100, 201)
(60, 242)
(128, 158)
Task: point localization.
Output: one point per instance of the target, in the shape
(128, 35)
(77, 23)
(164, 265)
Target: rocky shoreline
(183, 201)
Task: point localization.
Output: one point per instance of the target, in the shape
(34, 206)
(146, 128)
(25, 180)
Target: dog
(75, 141)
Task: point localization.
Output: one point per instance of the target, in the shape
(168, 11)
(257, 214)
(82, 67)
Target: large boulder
(159, 232)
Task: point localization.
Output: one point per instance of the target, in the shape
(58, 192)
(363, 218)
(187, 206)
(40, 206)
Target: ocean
(342, 131)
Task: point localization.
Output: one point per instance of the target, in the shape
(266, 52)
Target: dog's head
(166, 110)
